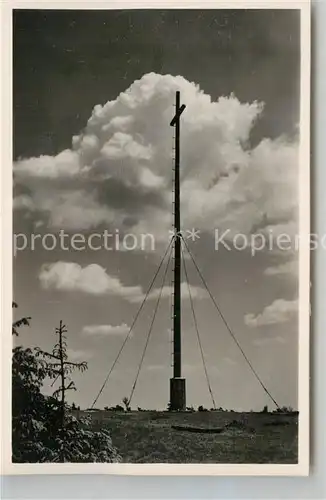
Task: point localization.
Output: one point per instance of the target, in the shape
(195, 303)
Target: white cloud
(157, 367)
(279, 311)
(122, 146)
(70, 209)
(119, 169)
(149, 179)
(196, 293)
(22, 202)
(93, 279)
(229, 361)
(104, 330)
(65, 164)
(290, 267)
(76, 355)
(262, 341)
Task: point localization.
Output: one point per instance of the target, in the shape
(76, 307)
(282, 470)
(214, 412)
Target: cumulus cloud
(263, 341)
(157, 367)
(229, 361)
(23, 202)
(123, 146)
(196, 293)
(279, 311)
(93, 279)
(105, 330)
(65, 164)
(118, 170)
(290, 267)
(76, 355)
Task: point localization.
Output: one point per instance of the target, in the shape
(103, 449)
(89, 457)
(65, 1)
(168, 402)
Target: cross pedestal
(178, 393)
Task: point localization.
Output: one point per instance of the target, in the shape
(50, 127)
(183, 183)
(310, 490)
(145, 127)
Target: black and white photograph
(160, 191)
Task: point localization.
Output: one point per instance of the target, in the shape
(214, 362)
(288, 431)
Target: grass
(147, 437)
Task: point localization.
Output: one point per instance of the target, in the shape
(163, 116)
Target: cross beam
(178, 114)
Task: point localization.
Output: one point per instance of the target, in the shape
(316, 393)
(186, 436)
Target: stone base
(178, 394)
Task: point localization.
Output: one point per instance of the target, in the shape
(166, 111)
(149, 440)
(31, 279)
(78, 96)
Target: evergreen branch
(20, 322)
(46, 354)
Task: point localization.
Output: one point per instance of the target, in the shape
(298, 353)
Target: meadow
(202, 437)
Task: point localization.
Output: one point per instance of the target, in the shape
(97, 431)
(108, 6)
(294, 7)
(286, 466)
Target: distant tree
(285, 409)
(116, 408)
(201, 408)
(126, 402)
(265, 409)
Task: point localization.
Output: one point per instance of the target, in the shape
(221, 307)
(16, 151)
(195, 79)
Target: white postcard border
(300, 469)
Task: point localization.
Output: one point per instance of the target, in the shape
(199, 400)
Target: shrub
(286, 409)
(126, 403)
(201, 408)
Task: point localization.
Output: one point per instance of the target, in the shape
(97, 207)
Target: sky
(93, 99)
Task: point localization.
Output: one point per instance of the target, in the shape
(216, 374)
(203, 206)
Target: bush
(115, 408)
(287, 410)
(126, 403)
(201, 408)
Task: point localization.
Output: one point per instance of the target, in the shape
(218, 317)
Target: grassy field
(148, 437)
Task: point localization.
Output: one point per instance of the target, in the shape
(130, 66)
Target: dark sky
(65, 61)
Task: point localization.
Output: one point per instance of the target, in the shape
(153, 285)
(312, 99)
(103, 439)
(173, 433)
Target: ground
(147, 437)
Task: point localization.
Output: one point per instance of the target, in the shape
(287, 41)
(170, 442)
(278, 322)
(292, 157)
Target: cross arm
(177, 115)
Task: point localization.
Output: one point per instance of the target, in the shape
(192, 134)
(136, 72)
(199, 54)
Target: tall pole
(177, 387)
(177, 252)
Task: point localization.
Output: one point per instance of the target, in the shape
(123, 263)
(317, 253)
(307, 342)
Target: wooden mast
(177, 384)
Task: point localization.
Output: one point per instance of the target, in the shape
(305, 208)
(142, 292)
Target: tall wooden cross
(177, 383)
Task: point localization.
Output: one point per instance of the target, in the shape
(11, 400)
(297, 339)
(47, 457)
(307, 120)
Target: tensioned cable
(229, 328)
(197, 330)
(133, 323)
(150, 328)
